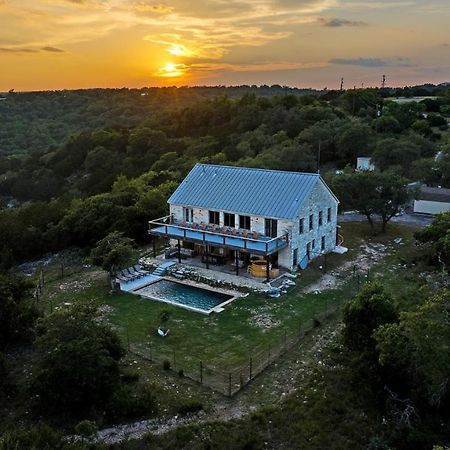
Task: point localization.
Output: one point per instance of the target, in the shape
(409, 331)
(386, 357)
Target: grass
(224, 341)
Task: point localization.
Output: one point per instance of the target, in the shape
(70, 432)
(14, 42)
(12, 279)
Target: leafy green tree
(416, 353)
(17, 311)
(382, 193)
(437, 234)
(363, 314)
(114, 250)
(78, 365)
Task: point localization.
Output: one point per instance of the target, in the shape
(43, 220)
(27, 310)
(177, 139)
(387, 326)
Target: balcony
(206, 234)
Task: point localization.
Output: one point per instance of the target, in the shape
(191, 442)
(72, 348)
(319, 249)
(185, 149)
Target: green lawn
(227, 340)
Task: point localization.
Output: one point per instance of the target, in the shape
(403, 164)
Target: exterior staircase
(161, 270)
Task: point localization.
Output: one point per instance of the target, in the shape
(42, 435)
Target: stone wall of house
(320, 200)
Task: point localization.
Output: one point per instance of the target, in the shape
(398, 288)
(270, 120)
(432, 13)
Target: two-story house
(236, 213)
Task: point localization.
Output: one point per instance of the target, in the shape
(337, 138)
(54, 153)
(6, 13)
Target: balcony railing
(208, 234)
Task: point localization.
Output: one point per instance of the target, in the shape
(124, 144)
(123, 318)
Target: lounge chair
(120, 278)
(139, 269)
(126, 276)
(134, 274)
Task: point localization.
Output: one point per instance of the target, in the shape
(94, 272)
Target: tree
(78, 365)
(437, 234)
(382, 193)
(371, 308)
(113, 250)
(416, 353)
(17, 312)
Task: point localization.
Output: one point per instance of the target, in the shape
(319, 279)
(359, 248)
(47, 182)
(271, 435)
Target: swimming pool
(184, 295)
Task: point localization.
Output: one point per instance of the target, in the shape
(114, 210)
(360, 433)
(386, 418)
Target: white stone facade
(320, 199)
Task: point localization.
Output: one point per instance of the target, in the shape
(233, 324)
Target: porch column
(179, 251)
(267, 269)
(237, 261)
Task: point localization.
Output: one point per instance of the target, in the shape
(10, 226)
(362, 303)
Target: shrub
(190, 406)
(166, 364)
(133, 401)
(181, 373)
(86, 429)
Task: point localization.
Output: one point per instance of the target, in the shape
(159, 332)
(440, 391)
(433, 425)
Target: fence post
(201, 372)
(128, 340)
(174, 365)
(251, 367)
(229, 385)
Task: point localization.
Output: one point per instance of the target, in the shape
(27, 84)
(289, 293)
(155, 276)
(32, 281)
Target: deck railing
(269, 245)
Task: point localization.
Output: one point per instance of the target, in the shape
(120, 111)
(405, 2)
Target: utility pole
(342, 84)
(318, 156)
(383, 82)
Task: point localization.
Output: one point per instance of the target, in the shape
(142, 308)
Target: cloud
(52, 50)
(372, 62)
(151, 8)
(336, 23)
(26, 50)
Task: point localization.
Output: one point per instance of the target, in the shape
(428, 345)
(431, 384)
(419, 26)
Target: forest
(79, 166)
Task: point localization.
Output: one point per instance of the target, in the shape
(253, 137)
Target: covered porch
(249, 252)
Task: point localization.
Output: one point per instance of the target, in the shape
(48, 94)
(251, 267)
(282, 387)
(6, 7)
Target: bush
(38, 438)
(181, 373)
(166, 364)
(86, 429)
(190, 406)
(132, 401)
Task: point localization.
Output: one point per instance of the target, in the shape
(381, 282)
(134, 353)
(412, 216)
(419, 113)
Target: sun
(172, 70)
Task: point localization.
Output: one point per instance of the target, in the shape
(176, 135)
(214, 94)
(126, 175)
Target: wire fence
(229, 382)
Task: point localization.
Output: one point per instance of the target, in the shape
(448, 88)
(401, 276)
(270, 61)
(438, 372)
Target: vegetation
(88, 169)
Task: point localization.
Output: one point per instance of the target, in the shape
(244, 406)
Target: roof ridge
(258, 169)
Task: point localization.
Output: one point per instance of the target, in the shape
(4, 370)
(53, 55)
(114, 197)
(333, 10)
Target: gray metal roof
(258, 192)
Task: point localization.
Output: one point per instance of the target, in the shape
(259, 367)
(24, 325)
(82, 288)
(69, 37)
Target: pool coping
(217, 309)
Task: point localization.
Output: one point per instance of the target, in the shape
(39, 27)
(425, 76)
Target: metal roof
(243, 190)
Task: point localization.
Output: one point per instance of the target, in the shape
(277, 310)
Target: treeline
(119, 177)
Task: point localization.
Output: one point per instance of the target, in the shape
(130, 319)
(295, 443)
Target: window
(301, 226)
(308, 250)
(271, 227)
(188, 214)
(329, 215)
(295, 257)
(228, 220)
(244, 222)
(322, 243)
(311, 222)
(320, 218)
(313, 243)
(214, 217)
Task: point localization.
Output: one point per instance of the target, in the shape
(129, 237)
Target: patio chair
(234, 231)
(204, 226)
(140, 269)
(134, 274)
(255, 235)
(194, 225)
(214, 228)
(225, 230)
(244, 233)
(183, 223)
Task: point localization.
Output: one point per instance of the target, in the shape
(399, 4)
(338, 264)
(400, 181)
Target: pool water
(184, 295)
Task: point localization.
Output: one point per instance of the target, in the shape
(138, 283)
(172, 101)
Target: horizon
(79, 44)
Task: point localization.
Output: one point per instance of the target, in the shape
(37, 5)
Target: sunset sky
(57, 44)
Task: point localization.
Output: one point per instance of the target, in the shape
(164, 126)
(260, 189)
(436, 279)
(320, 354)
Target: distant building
(235, 214)
(364, 163)
(431, 200)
